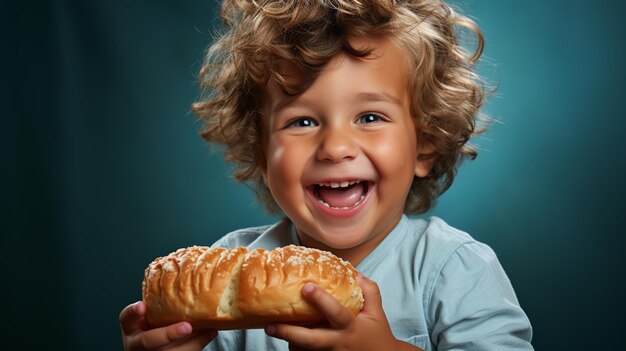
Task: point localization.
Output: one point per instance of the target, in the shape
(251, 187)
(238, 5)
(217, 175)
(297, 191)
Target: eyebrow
(379, 97)
(363, 96)
(283, 103)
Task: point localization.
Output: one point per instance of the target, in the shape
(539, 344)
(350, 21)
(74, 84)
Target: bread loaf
(241, 289)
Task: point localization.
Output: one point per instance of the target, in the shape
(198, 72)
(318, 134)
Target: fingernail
(184, 329)
(308, 287)
(270, 329)
(361, 278)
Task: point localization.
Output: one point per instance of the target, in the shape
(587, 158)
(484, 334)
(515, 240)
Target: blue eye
(369, 118)
(304, 122)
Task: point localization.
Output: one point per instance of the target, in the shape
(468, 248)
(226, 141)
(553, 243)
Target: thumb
(371, 294)
(132, 317)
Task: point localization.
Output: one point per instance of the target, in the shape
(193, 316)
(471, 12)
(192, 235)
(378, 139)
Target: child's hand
(176, 337)
(369, 330)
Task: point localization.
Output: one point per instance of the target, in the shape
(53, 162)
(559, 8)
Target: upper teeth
(343, 184)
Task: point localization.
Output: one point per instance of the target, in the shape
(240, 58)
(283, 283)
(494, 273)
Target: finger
(301, 337)
(132, 318)
(159, 337)
(371, 294)
(336, 314)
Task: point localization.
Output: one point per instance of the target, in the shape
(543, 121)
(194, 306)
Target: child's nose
(337, 145)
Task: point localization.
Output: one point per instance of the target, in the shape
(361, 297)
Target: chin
(341, 240)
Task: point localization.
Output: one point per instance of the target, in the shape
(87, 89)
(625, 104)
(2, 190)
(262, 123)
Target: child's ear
(426, 157)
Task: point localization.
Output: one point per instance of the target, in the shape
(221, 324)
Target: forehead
(385, 71)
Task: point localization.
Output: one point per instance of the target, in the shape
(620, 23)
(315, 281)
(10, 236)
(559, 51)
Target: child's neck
(355, 254)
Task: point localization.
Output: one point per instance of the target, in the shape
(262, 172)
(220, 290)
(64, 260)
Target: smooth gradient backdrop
(103, 169)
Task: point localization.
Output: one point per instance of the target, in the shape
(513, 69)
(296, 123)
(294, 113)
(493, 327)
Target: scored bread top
(272, 281)
(237, 288)
(189, 283)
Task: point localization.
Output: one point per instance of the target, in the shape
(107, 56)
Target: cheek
(285, 167)
(275, 164)
(397, 158)
(282, 169)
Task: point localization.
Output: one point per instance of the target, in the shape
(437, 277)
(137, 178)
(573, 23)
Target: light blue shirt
(441, 289)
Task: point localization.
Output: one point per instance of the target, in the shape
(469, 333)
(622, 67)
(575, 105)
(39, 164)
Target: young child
(347, 116)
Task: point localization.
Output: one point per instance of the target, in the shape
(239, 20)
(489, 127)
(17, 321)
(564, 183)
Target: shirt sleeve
(473, 305)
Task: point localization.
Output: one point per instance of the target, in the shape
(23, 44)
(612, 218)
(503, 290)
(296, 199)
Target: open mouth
(341, 195)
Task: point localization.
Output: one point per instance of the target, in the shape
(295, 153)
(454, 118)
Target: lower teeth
(341, 208)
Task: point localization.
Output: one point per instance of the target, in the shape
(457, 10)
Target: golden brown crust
(240, 289)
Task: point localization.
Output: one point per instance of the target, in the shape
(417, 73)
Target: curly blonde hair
(446, 92)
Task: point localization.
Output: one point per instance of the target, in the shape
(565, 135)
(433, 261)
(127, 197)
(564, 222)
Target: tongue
(341, 197)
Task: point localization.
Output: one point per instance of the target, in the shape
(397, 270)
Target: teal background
(103, 170)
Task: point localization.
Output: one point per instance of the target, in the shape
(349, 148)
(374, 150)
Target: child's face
(341, 156)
